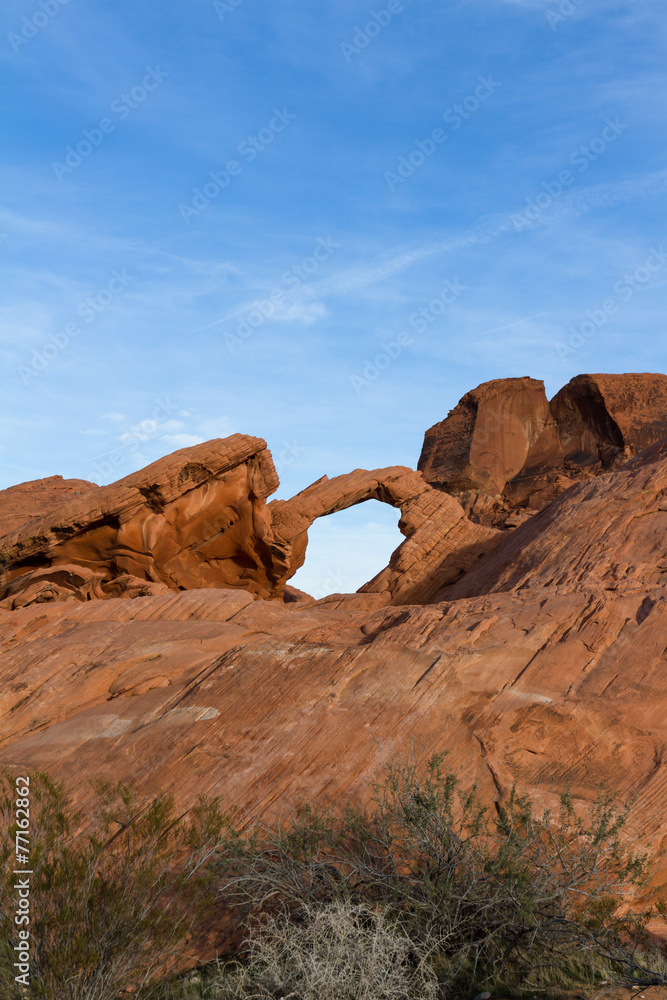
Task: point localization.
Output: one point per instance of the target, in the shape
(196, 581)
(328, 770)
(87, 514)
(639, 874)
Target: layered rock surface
(441, 543)
(194, 519)
(199, 517)
(29, 501)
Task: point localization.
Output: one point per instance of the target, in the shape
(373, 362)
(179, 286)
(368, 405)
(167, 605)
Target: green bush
(114, 893)
(422, 895)
(515, 901)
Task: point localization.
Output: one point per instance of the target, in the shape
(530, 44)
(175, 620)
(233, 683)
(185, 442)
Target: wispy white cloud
(570, 205)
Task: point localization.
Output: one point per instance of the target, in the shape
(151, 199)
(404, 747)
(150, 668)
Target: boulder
(194, 519)
(505, 449)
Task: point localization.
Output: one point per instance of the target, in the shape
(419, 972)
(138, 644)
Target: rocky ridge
(535, 654)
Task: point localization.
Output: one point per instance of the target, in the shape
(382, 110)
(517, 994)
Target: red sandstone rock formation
(28, 501)
(199, 517)
(542, 663)
(195, 519)
(441, 543)
(603, 420)
(505, 451)
(544, 666)
(493, 434)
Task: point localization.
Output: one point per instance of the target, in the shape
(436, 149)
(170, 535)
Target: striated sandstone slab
(546, 666)
(535, 679)
(32, 500)
(609, 532)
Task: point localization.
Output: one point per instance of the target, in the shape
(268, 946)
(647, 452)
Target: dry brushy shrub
(509, 901)
(335, 951)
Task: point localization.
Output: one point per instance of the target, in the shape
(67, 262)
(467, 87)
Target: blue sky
(497, 165)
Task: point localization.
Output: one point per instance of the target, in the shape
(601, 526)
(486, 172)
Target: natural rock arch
(441, 543)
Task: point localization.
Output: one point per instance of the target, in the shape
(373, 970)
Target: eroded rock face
(199, 517)
(497, 432)
(194, 519)
(535, 656)
(603, 420)
(506, 452)
(575, 542)
(546, 666)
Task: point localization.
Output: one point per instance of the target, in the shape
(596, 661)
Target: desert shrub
(513, 900)
(336, 951)
(423, 894)
(113, 894)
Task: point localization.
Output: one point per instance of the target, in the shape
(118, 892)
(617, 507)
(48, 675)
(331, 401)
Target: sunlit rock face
(148, 633)
(505, 450)
(199, 517)
(196, 518)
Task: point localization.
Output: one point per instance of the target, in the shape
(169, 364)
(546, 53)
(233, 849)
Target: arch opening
(348, 548)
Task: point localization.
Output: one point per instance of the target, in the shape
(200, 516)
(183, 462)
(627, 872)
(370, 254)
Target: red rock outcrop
(194, 519)
(505, 451)
(545, 666)
(575, 542)
(542, 663)
(28, 501)
(441, 543)
(603, 420)
(199, 517)
(494, 434)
